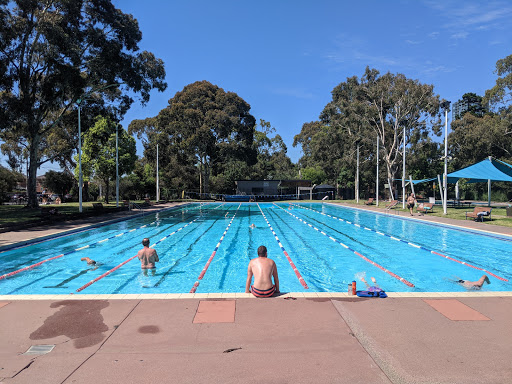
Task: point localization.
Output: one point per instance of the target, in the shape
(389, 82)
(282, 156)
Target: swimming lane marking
(406, 282)
(408, 243)
(297, 273)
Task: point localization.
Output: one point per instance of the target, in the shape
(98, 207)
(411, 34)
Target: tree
(59, 182)
(206, 122)
(315, 174)
(8, 181)
(99, 152)
(475, 104)
(473, 139)
(398, 108)
(54, 53)
(272, 159)
(502, 91)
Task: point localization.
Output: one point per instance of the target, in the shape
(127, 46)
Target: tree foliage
(502, 91)
(59, 182)
(54, 53)
(99, 152)
(204, 127)
(396, 110)
(473, 138)
(8, 180)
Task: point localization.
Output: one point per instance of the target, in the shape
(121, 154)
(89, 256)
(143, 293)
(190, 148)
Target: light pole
(445, 105)
(157, 180)
(79, 104)
(403, 173)
(80, 181)
(377, 175)
(117, 165)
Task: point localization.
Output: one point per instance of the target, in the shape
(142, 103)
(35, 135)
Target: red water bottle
(354, 288)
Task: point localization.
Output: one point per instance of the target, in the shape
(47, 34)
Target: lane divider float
(205, 268)
(297, 273)
(406, 282)
(72, 251)
(131, 258)
(405, 241)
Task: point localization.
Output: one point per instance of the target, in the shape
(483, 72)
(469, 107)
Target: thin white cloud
(412, 42)
(459, 35)
(465, 17)
(433, 35)
(299, 93)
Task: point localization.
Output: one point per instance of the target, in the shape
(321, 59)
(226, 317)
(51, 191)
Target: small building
(323, 190)
(257, 187)
(270, 188)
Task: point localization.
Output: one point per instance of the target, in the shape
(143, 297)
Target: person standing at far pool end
(411, 202)
(148, 257)
(263, 269)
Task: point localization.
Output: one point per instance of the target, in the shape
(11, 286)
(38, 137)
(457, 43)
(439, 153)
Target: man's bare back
(263, 269)
(147, 256)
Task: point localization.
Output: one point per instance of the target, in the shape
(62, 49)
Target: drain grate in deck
(39, 349)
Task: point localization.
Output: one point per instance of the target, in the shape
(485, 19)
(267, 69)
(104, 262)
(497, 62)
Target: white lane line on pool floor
(406, 282)
(297, 273)
(405, 241)
(205, 268)
(131, 258)
(69, 253)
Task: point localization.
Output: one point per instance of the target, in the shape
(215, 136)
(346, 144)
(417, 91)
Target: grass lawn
(499, 214)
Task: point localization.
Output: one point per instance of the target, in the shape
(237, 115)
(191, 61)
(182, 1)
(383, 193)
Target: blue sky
(284, 57)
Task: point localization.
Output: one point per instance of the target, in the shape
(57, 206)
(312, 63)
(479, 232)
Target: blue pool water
(328, 244)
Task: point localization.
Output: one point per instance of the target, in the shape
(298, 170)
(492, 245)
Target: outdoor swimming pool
(207, 247)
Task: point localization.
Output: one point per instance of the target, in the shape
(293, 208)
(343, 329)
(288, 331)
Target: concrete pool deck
(312, 337)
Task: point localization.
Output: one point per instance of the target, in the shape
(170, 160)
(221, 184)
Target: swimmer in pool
(372, 288)
(252, 226)
(475, 284)
(148, 257)
(89, 260)
(263, 269)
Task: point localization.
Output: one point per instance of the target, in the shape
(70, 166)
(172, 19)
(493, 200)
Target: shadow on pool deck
(395, 340)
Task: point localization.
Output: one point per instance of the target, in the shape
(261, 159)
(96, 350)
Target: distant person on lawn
(263, 269)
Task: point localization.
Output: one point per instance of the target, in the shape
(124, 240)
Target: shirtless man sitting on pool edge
(263, 269)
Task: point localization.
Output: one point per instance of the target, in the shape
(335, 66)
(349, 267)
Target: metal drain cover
(39, 349)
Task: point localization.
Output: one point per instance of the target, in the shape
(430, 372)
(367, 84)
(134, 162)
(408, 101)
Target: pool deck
(460, 337)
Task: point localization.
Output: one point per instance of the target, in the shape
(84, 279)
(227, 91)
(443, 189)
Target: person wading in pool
(148, 257)
(263, 269)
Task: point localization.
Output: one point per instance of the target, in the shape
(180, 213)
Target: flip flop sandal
(290, 298)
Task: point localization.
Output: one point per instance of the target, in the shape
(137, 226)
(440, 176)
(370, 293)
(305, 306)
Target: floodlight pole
(403, 173)
(446, 106)
(80, 177)
(357, 175)
(377, 178)
(117, 165)
(157, 180)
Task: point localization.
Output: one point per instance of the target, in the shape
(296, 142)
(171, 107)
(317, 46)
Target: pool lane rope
(133, 257)
(297, 273)
(73, 251)
(406, 282)
(205, 268)
(76, 250)
(404, 241)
